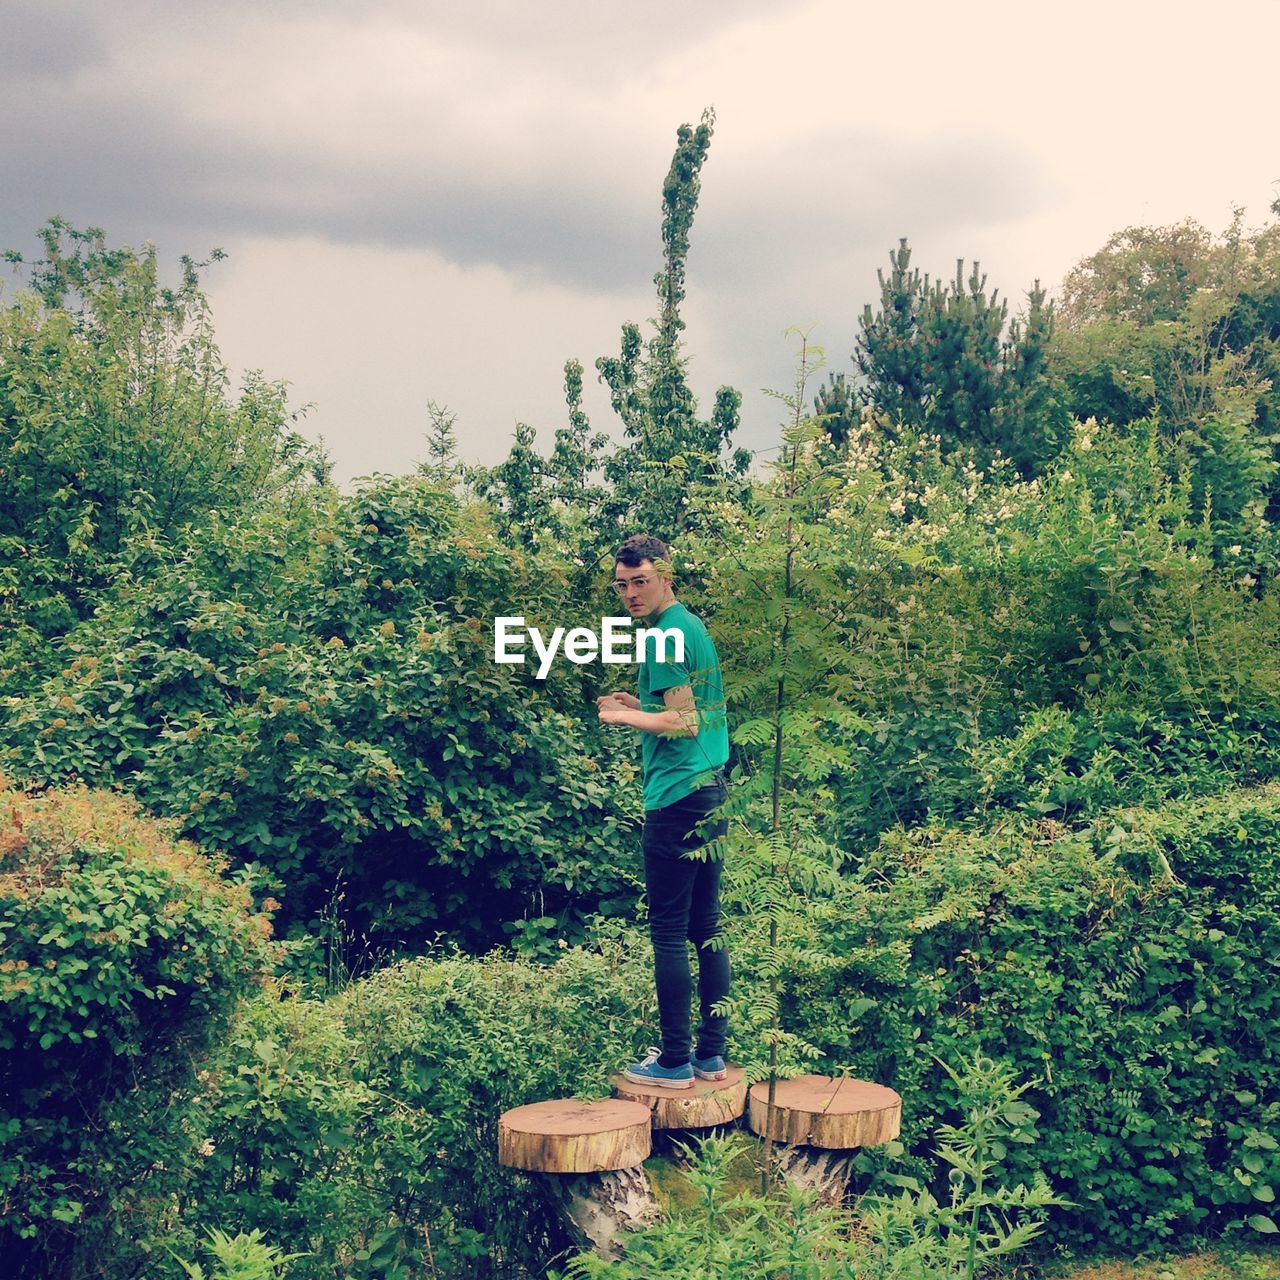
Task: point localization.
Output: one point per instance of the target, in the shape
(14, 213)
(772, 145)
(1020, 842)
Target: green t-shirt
(676, 767)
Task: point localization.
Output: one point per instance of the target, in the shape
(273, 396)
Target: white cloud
(428, 200)
(371, 337)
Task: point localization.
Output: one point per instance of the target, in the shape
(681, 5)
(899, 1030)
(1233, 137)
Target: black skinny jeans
(684, 906)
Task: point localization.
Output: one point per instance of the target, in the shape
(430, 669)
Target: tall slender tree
(672, 463)
(671, 457)
(784, 630)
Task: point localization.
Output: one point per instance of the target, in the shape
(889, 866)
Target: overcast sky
(427, 201)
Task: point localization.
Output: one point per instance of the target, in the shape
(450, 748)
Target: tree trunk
(824, 1171)
(598, 1209)
(708, 1103)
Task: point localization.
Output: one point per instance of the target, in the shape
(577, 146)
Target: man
(685, 739)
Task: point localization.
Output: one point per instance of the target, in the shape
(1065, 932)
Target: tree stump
(567, 1136)
(708, 1103)
(826, 1173)
(598, 1209)
(820, 1120)
(833, 1112)
(589, 1157)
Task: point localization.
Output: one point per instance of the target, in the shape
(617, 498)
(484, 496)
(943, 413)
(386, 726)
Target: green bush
(313, 690)
(362, 1129)
(1059, 646)
(1130, 968)
(1127, 969)
(124, 952)
(117, 416)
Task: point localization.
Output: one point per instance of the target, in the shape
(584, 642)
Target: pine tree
(838, 407)
(889, 357)
(936, 358)
(960, 330)
(1031, 423)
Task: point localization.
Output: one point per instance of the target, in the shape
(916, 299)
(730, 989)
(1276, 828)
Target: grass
(1221, 1264)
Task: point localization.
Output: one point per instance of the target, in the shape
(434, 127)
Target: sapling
(781, 635)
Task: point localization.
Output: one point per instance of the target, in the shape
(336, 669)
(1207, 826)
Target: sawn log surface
(833, 1112)
(709, 1102)
(568, 1136)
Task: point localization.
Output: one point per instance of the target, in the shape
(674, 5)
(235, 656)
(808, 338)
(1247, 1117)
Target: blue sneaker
(650, 1072)
(711, 1068)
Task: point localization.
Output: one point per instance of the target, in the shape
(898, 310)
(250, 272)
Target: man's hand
(679, 718)
(627, 699)
(614, 708)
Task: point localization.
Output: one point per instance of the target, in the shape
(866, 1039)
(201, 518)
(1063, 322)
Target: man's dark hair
(639, 548)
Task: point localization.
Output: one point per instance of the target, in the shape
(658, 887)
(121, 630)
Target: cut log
(826, 1173)
(567, 1136)
(589, 1155)
(835, 1113)
(708, 1103)
(598, 1209)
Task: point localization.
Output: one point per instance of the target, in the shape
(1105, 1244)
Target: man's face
(639, 587)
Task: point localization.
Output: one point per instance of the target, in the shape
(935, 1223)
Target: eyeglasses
(620, 585)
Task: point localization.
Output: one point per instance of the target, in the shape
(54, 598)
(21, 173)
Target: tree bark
(708, 1103)
(598, 1209)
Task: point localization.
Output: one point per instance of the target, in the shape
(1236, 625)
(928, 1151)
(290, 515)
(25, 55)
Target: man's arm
(679, 720)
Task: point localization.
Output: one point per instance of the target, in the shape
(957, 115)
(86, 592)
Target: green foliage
(671, 461)
(1128, 969)
(733, 1237)
(999, 687)
(1177, 323)
(777, 629)
(678, 454)
(1059, 645)
(124, 952)
(958, 1239)
(838, 406)
(936, 358)
(312, 689)
(272, 1124)
(1224, 1261)
(241, 1257)
(363, 1129)
(441, 463)
(116, 417)
(519, 491)
(908, 1237)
